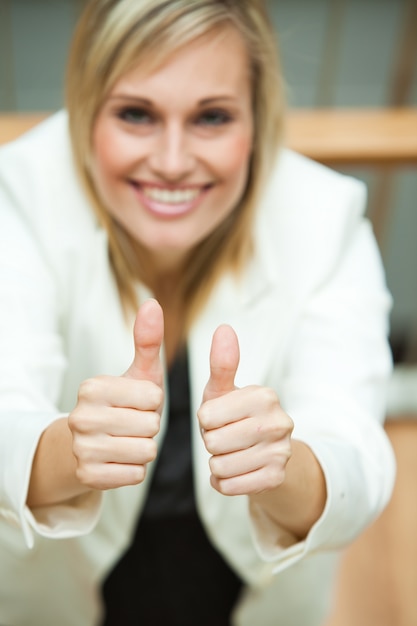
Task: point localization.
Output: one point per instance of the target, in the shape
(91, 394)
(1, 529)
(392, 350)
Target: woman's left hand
(245, 430)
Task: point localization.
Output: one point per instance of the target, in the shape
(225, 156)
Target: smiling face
(171, 148)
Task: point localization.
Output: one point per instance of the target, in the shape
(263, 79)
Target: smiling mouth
(170, 202)
(171, 196)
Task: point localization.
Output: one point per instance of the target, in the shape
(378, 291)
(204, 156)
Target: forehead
(218, 59)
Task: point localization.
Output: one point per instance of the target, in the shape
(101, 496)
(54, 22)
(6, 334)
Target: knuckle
(158, 395)
(216, 466)
(72, 421)
(227, 487)
(78, 422)
(150, 450)
(136, 475)
(77, 449)
(81, 451)
(270, 398)
(290, 424)
(204, 416)
(155, 424)
(274, 475)
(89, 388)
(201, 415)
(282, 428)
(85, 476)
(148, 393)
(210, 440)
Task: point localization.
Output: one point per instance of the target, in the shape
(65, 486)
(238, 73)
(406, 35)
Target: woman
(211, 481)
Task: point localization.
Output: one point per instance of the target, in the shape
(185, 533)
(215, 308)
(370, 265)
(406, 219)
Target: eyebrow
(147, 102)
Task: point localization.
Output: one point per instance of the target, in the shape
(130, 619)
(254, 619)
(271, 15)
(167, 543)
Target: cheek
(234, 159)
(111, 151)
(102, 148)
(106, 167)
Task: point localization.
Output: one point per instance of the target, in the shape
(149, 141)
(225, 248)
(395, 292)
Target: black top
(171, 575)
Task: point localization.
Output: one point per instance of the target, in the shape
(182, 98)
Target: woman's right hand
(117, 417)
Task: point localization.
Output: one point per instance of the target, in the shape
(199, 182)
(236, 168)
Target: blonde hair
(111, 38)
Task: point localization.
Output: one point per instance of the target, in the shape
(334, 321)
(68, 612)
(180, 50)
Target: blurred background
(335, 54)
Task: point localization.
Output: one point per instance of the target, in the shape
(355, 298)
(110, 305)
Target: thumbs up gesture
(245, 430)
(117, 417)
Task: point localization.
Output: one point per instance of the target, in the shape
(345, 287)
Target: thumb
(224, 360)
(148, 334)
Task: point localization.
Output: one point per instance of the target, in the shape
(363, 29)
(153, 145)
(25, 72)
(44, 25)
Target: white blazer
(311, 315)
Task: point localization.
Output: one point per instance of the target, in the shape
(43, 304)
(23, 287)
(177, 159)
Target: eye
(214, 117)
(135, 115)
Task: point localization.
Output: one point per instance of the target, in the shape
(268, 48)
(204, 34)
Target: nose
(172, 157)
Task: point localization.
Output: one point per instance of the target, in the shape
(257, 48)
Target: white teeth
(168, 196)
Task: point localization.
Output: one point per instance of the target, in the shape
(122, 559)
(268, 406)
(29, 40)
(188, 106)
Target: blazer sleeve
(32, 358)
(335, 373)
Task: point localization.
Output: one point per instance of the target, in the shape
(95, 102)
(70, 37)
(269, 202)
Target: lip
(184, 198)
